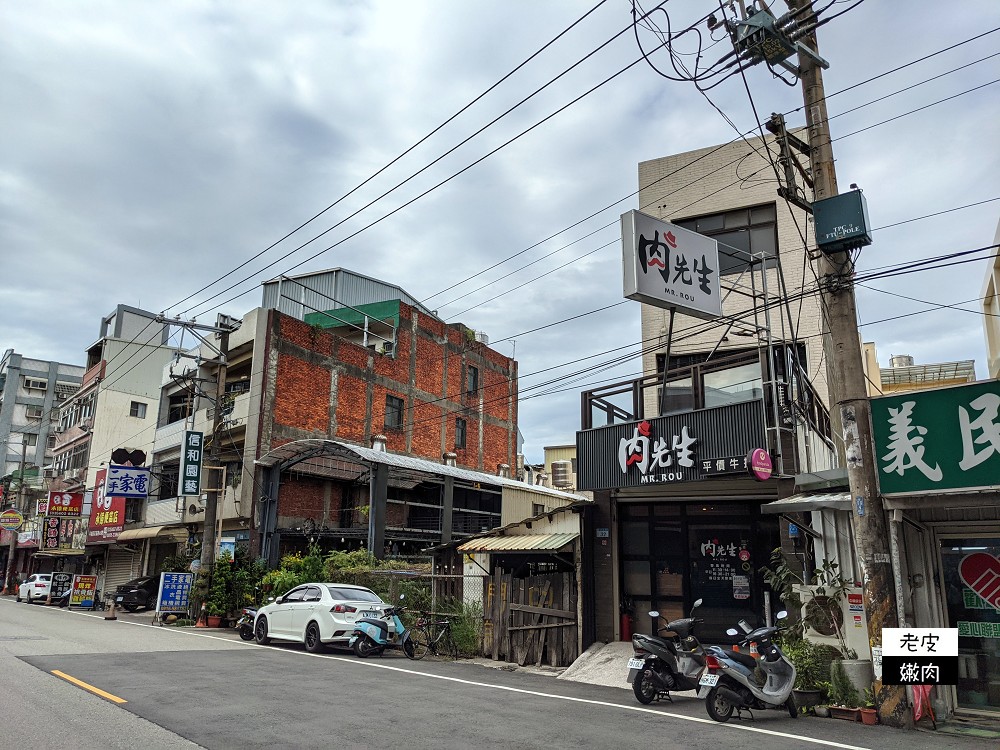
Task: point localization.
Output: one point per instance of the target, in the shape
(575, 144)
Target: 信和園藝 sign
(934, 441)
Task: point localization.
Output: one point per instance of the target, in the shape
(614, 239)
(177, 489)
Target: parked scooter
(662, 664)
(245, 624)
(731, 680)
(372, 635)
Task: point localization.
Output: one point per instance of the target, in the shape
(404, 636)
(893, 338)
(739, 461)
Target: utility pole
(209, 540)
(847, 386)
(12, 549)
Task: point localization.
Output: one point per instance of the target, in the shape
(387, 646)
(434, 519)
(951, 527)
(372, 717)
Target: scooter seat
(740, 658)
(380, 624)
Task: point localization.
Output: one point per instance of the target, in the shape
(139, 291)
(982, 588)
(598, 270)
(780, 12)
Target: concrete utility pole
(209, 540)
(847, 387)
(8, 585)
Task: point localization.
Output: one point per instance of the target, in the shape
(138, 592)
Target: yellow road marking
(91, 688)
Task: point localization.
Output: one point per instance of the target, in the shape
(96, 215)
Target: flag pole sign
(671, 267)
(191, 462)
(920, 656)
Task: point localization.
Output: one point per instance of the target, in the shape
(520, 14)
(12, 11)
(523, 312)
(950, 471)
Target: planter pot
(807, 698)
(822, 711)
(869, 716)
(851, 714)
(859, 672)
(214, 621)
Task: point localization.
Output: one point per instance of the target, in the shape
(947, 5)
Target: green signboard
(940, 440)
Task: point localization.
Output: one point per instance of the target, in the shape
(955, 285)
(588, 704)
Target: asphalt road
(182, 688)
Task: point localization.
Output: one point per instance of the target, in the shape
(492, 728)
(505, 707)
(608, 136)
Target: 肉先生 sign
(668, 266)
(933, 441)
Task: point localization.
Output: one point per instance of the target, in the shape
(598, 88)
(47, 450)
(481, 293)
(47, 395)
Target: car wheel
(151, 601)
(130, 607)
(18, 597)
(718, 707)
(644, 688)
(313, 644)
(364, 646)
(260, 631)
(28, 595)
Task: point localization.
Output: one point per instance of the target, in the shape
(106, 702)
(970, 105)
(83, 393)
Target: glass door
(971, 571)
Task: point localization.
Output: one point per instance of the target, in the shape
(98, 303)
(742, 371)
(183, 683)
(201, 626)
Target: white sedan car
(316, 614)
(36, 587)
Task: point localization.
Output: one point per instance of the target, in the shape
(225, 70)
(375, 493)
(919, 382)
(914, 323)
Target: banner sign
(64, 535)
(84, 588)
(11, 519)
(668, 266)
(939, 440)
(127, 481)
(191, 462)
(107, 514)
(65, 504)
(175, 592)
(61, 583)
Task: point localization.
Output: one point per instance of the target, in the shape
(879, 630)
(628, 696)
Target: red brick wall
(302, 498)
(351, 409)
(302, 394)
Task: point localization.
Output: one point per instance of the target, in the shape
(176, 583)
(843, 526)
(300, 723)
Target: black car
(138, 593)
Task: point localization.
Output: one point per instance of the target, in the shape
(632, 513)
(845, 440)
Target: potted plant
(844, 698)
(823, 707)
(809, 669)
(869, 711)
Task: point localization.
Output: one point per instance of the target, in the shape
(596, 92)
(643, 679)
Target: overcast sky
(150, 148)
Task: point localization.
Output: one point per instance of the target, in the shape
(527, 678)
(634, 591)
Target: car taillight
(342, 608)
(39, 585)
(712, 663)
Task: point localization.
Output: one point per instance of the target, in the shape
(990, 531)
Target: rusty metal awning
(519, 543)
(808, 501)
(171, 533)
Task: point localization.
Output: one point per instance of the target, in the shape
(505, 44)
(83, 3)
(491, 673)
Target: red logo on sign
(981, 573)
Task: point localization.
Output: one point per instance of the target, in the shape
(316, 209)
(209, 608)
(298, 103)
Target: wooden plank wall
(531, 620)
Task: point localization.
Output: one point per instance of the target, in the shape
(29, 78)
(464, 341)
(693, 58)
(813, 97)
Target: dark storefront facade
(678, 518)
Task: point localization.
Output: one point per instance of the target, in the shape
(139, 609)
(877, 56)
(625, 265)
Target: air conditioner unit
(384, 347)
(853, 620)
(59, 430)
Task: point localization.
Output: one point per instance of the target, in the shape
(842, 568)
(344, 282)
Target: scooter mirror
(732, 631)
(781, 615)
(654, 614)
(697, 603)
(402, 596)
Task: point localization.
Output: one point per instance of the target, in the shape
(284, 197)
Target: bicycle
(431, 636)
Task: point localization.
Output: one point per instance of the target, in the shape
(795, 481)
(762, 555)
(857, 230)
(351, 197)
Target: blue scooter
(371, 634)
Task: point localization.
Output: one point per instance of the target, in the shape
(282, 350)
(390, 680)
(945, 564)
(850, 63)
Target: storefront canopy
(173, 533)
(808, 501)
(519, 543)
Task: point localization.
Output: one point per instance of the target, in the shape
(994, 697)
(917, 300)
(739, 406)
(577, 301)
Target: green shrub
(842, 691)
(467, 629)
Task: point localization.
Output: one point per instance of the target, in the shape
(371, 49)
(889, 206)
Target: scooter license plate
(636, 663)
(709, 680)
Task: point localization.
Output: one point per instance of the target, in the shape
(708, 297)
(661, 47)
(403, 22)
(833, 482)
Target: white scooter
(731, 680)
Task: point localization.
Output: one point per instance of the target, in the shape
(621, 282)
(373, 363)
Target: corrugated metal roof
(519, 543)
(808, 501)
(290, 450)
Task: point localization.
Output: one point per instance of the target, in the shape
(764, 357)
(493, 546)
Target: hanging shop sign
(127, 481)
(934, 441)
(759, 464)
(191, 458)
(63, 536)
(65, 504)
(107, 514)
(11, 519)
(668, 450)
(669, 266)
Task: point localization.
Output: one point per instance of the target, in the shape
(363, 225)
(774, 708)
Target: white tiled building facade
(726, 178)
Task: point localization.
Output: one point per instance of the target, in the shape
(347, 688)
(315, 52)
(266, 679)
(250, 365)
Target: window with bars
(460, 428)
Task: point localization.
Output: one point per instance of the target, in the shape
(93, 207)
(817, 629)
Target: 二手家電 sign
(669, 266)
(127, 481)
(84, 588)
(920, 656)
(191, 458)
(175, 592)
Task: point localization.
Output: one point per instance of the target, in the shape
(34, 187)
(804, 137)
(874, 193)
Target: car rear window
(354, 595)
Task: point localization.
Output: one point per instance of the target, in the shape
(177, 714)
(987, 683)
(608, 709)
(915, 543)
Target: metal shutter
(123, 566)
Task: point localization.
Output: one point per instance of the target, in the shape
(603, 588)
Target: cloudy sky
(149, 149)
